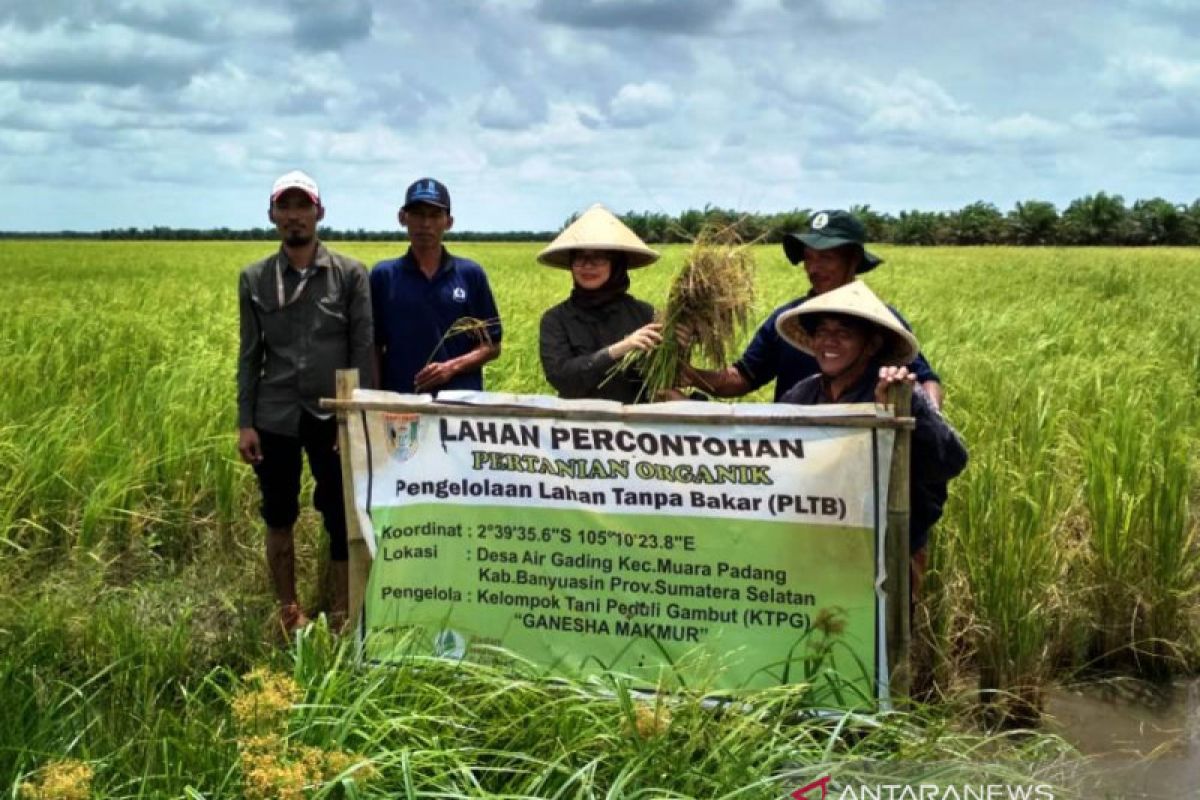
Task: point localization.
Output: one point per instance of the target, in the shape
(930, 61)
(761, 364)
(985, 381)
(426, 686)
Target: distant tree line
(1100, 219)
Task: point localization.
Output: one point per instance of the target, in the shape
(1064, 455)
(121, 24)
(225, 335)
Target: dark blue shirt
(769, 357)
(413, 314)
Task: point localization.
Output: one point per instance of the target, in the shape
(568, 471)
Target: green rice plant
(1009, 528)
(114, 679)
(1142, 542)
(1174, 562)
(132, 595)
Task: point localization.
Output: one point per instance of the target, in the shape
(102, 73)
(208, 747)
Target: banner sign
(735, 555)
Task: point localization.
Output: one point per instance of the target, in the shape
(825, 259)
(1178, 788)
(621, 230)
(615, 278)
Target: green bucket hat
(827, 230)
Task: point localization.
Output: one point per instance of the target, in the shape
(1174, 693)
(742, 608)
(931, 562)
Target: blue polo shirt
(769, 357)
(412, 314)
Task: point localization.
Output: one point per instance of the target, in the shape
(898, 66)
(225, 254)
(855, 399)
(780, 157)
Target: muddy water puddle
(1138, 742)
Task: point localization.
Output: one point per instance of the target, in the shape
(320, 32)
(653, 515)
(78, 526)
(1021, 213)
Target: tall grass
(1143, 540)
(132, 597)
(150, 719)
(1008, 545)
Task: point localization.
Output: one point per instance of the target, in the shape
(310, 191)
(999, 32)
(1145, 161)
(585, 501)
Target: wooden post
(360, 556)
(896, 557)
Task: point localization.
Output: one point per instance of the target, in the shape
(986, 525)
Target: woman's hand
(645, 338)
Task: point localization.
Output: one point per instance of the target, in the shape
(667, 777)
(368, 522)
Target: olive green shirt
(290, 351)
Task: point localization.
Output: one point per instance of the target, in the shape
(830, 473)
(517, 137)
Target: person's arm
(934, 390)
(928, 379)
(376, 279)
(377, 355)
(757, 366)
(936, 440)
(250, 357)
(724, 382)
(935, 443)
(439, 373)
(362, 330)
(483, 307)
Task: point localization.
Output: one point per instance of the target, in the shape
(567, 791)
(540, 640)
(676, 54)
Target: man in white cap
(305, 313)
(861, 349)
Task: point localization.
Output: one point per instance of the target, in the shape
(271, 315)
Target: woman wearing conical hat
(861, 348)
(583, 337)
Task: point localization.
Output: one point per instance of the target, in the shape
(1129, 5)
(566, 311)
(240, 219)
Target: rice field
(135, 657)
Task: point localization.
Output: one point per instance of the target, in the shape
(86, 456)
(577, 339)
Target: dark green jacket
(289, 353)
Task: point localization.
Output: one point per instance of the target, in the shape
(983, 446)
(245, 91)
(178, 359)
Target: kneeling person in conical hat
(861, 349)
(583, 337)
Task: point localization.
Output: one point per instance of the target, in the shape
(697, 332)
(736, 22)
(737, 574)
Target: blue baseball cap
(429, 191)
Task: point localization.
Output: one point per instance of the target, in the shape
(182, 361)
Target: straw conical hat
(855, 299)
(597, 229)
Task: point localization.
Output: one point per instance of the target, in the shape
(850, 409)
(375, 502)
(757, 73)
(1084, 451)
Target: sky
(135, 113)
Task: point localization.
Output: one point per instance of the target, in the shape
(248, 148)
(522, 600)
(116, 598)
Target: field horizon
(135, 600)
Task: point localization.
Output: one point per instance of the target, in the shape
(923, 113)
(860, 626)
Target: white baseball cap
(296, 180)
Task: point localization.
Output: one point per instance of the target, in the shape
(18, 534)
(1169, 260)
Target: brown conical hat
(855, 299)
(597, 229)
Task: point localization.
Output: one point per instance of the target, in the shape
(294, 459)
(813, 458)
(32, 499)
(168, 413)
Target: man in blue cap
(436, 323)
(833, 253)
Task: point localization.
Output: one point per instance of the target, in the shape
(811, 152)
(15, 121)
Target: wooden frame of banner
(896, 558)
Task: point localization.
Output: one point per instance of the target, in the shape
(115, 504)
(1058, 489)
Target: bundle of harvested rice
(710, 299)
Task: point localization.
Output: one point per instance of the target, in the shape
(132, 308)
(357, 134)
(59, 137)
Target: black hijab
(616, 285)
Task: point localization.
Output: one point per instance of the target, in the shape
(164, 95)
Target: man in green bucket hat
(833, 252)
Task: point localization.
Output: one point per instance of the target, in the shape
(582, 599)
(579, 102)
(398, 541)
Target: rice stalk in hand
(478, 329)
(711, 298)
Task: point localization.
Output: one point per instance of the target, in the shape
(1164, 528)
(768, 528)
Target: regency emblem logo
(401, 430)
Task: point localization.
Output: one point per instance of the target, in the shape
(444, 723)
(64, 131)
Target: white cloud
(854, 11)
(322, 25)
(531, 109)
(563, 130)
(659, 16)
(640, 104)
(1153, 95)
(104, 54)
(1026, 127)
(501, 108)
(841, 12)
(1137, 74)
(909, 104)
